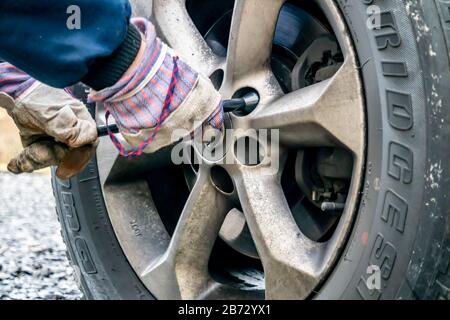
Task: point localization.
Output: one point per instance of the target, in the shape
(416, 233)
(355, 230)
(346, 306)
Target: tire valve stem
(332, 206)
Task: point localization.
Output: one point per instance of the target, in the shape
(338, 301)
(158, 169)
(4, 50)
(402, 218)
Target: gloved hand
(157, 95)
(55, 128)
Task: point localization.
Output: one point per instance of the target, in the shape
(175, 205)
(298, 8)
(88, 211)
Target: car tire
(401, 231)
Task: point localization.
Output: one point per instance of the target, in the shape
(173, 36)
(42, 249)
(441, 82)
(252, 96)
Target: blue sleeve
(42, 39)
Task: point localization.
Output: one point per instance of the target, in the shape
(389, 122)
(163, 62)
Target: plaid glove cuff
(162, 93)
(138, 99)
(13, 81)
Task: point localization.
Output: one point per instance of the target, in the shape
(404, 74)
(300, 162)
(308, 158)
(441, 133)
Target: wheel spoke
(113, 167)
(328, 113)
(291, 261)
(178, 30)
(250, 45)
(182, 272)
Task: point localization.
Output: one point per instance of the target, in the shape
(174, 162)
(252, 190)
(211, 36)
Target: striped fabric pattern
(162, 117)
(146, 95)
(216, 119)
(134, 109)
(13, 81)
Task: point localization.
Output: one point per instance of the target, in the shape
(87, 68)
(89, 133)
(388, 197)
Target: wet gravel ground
(33, 263)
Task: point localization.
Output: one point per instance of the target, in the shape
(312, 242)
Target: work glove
(55, 128)
(158, 95)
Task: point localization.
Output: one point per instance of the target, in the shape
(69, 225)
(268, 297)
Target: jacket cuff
(106, 71)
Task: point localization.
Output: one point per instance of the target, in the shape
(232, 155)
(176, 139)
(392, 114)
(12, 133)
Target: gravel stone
(33, 262)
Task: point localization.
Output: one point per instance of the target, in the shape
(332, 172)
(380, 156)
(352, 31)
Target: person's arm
(35, 37)
(142, 83)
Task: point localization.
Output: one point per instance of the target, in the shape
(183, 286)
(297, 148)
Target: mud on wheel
(362, 113)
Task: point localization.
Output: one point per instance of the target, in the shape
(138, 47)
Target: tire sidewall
(394, 196)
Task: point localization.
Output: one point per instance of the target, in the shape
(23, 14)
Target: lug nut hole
(217, 78)
(222, 180)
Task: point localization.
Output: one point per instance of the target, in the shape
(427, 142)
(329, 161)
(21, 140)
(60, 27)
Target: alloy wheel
(241, 212)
